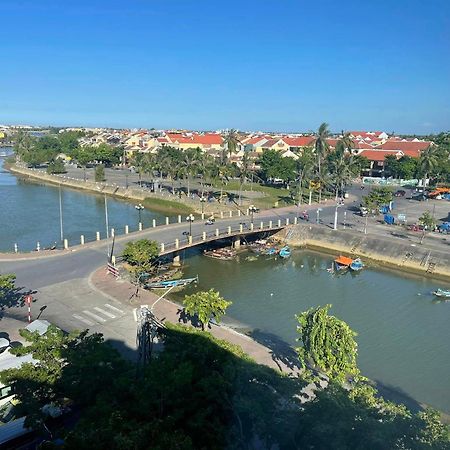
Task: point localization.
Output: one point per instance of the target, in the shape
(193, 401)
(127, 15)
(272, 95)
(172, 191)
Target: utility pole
(61, 215)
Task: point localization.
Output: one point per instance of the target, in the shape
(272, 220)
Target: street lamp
(202, 201)
(140, 207)
(190, 218)
(252, 209)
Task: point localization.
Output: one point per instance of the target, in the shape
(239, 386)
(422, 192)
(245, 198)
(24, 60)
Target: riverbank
(407, 257)
(159, 202)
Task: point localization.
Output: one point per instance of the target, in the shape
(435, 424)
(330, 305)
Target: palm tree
(305, 170)
(243, 173)
(190, 165)
(428, 162)
(343, 168)
(321, 148)
(347, 141)
(231, 141)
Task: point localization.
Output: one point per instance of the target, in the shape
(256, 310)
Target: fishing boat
(271, 251)
(225, 254)
(171, 283)
(343, 262)
(445, 293)
(285, 252)
(356, 265)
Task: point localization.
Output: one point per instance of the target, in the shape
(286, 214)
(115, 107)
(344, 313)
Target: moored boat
(171, 283)
(445, 293)
(343, 262)
(285, 252)
(356, 265)
(225, 254)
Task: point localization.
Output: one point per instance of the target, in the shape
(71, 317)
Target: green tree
(377, 197)
(141, 254)
(206, 305)
(428, 162)
(84, 155)
(231, 141)
(100, 173)
(428, 222)
(106, 154)
(327, 343)
(56, 166)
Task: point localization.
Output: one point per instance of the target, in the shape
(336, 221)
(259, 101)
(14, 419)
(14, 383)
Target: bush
(56, 166)
(100, 173)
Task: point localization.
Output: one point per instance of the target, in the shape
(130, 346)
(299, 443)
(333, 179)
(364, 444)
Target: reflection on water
(403, 333)
(29, 212)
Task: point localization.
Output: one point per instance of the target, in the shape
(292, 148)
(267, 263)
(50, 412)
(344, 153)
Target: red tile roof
(299, 141)
(207, 139)
(379, 155)
(407, 147)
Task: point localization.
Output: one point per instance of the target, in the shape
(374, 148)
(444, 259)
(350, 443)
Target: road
(62, 284)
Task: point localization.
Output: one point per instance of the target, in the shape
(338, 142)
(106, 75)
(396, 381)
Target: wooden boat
(171, 283)
(285, 252)
(445, 293)
(343, 262)
(356, 265)
(225, 254)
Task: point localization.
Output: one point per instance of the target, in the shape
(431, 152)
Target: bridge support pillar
(236, 242)
(66, 244)
(279, 223)
(261, 225)
(177, 243)
(162, 248)
(270, 224)
(154, 223)
(167, 221)
(176, 260)
(295, 220)
(127, 229)
(82, 239)
(204, 235)
(190, 240)
(97, 235)
(140, 226)
(221, 214)
(252, 226)
(287, 220)
(179, 218)
(229, 230)
(217, 232)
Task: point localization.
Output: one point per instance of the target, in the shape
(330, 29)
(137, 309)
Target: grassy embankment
(166, 206)
(272, 195)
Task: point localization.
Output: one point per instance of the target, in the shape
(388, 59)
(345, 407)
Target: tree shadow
(280, 350)
(13, 298)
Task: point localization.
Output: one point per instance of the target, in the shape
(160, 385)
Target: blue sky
(284, 65)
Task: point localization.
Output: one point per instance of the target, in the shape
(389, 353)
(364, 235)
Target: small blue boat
(356, 265)
(171, 283)
(271, 251)
(445, 293)
(285, 252)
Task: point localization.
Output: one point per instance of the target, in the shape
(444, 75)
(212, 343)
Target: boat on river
(356, 265)
(342, 263)
(285, 252)
(225, 254)
(443, 293)
(182, 282)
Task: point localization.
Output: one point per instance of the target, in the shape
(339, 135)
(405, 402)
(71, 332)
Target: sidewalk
(168, 311)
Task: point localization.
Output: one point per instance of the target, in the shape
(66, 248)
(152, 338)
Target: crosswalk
(99, 315)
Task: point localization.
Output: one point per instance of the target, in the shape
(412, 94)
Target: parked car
(415, 227)
(444, 228)
(399, 193)
(419, 197)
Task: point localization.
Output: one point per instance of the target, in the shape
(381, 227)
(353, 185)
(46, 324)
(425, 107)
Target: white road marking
(113, 308)
(106, 313)
(98, 318)
(87, 322)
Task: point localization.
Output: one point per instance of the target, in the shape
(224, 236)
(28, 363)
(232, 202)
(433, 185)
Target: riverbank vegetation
(201, 392)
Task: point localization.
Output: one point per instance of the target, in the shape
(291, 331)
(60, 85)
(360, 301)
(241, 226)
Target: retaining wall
(416, 258)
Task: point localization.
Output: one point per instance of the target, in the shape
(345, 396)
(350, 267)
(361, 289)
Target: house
(409, 148)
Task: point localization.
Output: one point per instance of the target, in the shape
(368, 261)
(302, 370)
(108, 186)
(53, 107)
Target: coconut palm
(305, 170)
(428, 162)
(343, 168)
(321, 148)
(190, 165)
(231, 141)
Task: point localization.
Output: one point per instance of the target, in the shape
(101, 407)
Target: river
(29, 214)
(403, 333)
